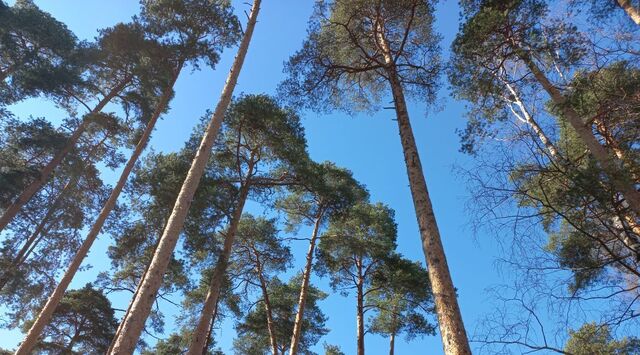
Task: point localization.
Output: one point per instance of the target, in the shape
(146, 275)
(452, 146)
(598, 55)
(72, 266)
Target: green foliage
(25, 147)
(594, 339)
(83, 323)
(253, 337)
(487, 55)
(401, 294)
(332, 350)
(356, 246)
(341, 65)
(36, 53)
(195, 29)
(322, 191)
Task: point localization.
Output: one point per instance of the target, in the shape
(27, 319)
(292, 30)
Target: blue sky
(368, 145)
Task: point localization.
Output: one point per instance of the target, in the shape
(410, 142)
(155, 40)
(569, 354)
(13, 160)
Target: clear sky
(368, 145)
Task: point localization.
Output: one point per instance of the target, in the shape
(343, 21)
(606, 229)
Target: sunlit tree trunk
(306, 276)
(631, 11)
(45, 173)
(454, 335)
(125, 341)
(199, 337)
(52, 303)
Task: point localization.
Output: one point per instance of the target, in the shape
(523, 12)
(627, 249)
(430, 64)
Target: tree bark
(392, 343)
(532, 122)
(126, 340)
(198, 339)
(306, 276)
(631, 11)
(52, 303)
(360, 309)
(453, 333)
(267, 307)
(610, 164)
(44, 173)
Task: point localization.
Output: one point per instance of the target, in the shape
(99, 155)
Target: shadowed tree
(353, 250)
(355, 52)
(131, 326)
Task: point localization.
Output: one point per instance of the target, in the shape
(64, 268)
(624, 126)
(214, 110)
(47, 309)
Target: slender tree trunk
(306, 276)
(609, 163)
(44, 173)
(24, 252)
(526, 116)
(392, 343)
(126, 340)
(213, 294)
(52, 303)
(210, 334)
(454, 335)
(267, 307)
(633, 13)
(360, 309)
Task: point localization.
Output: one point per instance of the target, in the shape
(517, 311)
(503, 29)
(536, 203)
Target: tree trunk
(210, 333)
(532, 122)
(306, 276)
(360, 309)
(633, 13)
(126, 340)
(213, 294)
(267, 307)
(44, 173)
(611, 165)
(454, 335)
(392, 343)
(52, 303)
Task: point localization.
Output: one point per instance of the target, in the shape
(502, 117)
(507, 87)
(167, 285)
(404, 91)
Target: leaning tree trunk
(52, 303)
(306, 276)
(126, 340)
(453, 333)
(631, 11)
(44, 173)
(199, 338)
(268, 309)
(610, 164)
